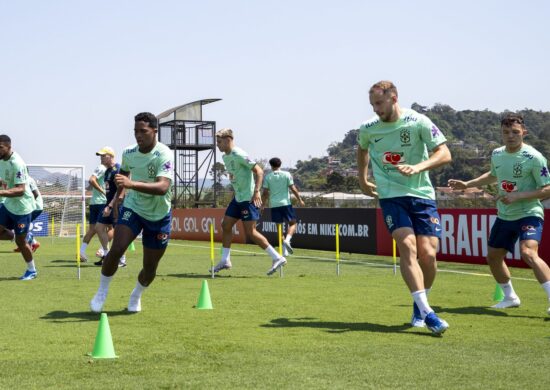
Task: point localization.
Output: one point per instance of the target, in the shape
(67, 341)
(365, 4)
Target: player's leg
(155, 240)
(231, 217)
(126, 231)
(21, 225)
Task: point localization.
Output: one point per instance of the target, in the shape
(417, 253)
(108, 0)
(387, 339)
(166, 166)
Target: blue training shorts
(95, 212)
(416, 213)
(282, 214)
(243, 210)
(18, 223)
(156, 234)
(504, 234)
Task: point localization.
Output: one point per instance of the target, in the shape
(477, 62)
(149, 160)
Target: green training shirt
(97, 196)
(277, 182)
(524, 170)
(145, 168)
(405, 141)
(239, 165)
(13, 172)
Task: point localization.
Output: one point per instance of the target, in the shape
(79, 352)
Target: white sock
(421, 301)
(30, 266)
(104, 282)
(272, 252)
(509, 292)
(226, 254)
(138, 290)
(546, 287)
(288, 238)
(123, 259)
(83, 247)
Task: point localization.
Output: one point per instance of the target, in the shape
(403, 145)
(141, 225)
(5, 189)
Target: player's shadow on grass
(70, 264)
(9, 278)
(480, 310)
(61, 316)
(341, 327)
(206, 276)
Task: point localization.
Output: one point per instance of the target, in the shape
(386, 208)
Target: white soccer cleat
(220, 266)
(100, 253)
(288, 247)
(506, 303)
(280, 262)
(96, 304)
(134, 304)
(83, 257)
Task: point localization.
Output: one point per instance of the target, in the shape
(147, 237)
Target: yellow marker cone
(498, 295)
(103, 346)
(204, 298)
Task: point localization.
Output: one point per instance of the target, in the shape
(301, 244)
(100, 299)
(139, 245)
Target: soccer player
(97, 203)
(107, 217)
(277, 187)
(16, 211)
(38, 208)
(521, 174)
(397, 142)
(146, 208)
(246, 202)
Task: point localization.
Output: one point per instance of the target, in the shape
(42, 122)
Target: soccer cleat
(416, 320)
(83, 257)
(121, 264)
(96, 304)
(28, 275)
(99, 263)
(134, 304)
(100, 253)
(287, 247)
(436, 324)
(506, 303)
(280, 262)
(221, 265)
(34, 246)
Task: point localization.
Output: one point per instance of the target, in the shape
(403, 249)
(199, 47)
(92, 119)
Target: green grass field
(309, 329)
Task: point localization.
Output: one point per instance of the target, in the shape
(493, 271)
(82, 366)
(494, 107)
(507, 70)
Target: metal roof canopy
(190, 111)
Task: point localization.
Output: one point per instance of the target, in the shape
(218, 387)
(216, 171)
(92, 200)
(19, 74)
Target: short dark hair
(385, 86)
(5, 139)
(275, 162)
(148, 118)
(511, 118)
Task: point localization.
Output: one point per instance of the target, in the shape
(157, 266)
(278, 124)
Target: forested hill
(472, 135)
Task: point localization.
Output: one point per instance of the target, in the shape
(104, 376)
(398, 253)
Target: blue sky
(293, 75)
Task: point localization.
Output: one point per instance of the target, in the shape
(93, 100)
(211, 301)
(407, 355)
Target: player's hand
(457, 184)
(509, 198)
(257, 199)
(107, 211)
(301, 202)
(368, 188)
(407, 170)
(123, 181)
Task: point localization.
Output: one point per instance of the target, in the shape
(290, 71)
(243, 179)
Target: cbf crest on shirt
(524, 170)
(405, 141)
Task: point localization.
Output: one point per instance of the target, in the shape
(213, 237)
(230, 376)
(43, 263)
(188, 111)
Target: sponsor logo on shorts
(21, 226)
(530, 228)
(126, 216)
(389, 221)
(434, 220)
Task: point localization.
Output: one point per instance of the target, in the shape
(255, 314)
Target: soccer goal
(63, 191)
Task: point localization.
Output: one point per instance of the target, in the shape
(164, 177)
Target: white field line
(365, 263)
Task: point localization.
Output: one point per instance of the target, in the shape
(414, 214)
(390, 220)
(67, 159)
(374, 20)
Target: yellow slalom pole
(337, 249)
(280, 236)
(394, 257)
(212, 249)
(78, 250)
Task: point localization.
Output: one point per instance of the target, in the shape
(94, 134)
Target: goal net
(63, 192)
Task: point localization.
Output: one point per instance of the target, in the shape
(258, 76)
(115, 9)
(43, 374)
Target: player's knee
(529, 256)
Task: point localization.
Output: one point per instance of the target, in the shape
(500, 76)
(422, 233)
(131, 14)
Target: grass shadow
(8, 278)
(342, 327)
(62, 316)
(485, 311)
(206, 276)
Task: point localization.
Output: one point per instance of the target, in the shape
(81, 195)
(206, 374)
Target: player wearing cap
(98, 201)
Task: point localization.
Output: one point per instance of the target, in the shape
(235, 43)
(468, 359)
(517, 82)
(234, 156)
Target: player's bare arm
(367, 187)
